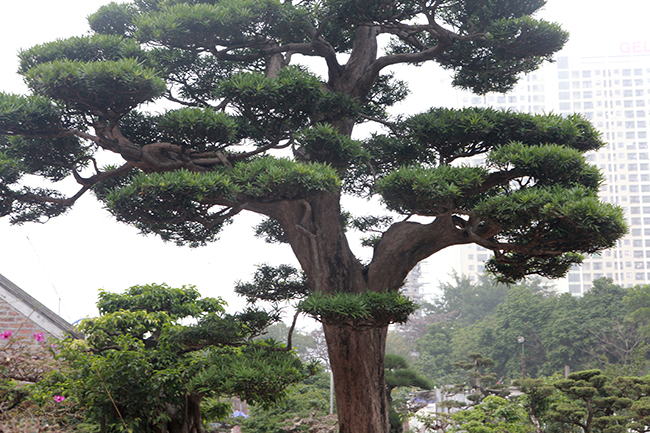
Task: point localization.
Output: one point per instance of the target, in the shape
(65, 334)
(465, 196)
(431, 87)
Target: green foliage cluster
(309, 398)
(399, 375)
(431, 192)
(493, 415)
(585, 401)
(178, 206)
(458, 133)
(589, 401)
(97, 87)
(197, 128)
(30, 115)
(140, 368)
(359, 309)
(275, 284)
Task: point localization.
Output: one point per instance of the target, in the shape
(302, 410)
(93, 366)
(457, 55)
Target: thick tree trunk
(357, 360)
(191, 421)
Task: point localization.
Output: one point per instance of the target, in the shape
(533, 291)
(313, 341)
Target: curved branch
(389, 125)
(446, 38)
(411, 242)
(102, 176)
(29, 197)
(422, 56)
(291, 329)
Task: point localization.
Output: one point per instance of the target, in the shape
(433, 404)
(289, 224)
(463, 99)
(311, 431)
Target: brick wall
(23, 314)
(18, 323)
(22, 356)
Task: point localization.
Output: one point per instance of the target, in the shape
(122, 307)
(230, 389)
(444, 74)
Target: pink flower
(38, 337)
(5, 335)
(59, 398)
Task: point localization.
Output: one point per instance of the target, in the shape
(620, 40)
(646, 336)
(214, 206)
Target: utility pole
(521, 340)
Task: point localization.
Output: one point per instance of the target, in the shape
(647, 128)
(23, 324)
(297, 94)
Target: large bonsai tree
(252, 130)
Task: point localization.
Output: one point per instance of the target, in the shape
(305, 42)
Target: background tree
(139, 368)
(399, 375)
(538, 398)
(465, 302)
(589, 401)
(308, 399)
(480, 381)
(493, 415)
(636, 389)
(605, 329)
(251, 132)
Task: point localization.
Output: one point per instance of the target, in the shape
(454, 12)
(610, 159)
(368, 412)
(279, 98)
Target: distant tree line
(607, 328)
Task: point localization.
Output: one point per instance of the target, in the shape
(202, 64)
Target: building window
(574, 288)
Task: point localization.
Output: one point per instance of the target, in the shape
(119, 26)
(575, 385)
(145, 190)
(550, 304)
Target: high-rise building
(613, 91)
(413, 286)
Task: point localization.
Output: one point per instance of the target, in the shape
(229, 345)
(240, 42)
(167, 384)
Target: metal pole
(331, 393)
(523, 362)
(521, 340)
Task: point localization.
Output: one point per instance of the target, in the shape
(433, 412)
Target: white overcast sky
(64, 262)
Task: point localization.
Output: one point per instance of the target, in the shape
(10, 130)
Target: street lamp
(521, 340)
